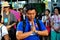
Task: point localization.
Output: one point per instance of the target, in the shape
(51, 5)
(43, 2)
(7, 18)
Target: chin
(31, 19)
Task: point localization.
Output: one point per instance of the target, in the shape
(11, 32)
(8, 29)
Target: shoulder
(43, 16)
(40, 21)
(3, 27)
(19, 26)
(42, 26)
(20, 23)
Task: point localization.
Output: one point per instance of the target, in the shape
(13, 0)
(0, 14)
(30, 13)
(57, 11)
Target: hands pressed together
(33, 28)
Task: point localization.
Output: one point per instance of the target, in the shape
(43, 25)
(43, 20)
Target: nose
(31, 15)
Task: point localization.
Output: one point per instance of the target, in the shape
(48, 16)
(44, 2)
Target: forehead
(56, 9)
(46, 11)
(31, 11)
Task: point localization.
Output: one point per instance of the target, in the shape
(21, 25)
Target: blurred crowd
(15, 25)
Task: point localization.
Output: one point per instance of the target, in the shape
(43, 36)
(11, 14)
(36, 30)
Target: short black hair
(47, 10)
(0, 18)
(20, 9)
(30, 7)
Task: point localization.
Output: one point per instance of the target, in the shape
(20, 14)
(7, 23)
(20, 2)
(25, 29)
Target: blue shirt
(28, 28)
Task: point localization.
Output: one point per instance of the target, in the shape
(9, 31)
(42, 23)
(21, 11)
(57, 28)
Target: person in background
(16, 14)
(8, 19)
(55, 25)
(21, 10)
(31, 31)
(21, 13)
(3, 31)
(46, 21)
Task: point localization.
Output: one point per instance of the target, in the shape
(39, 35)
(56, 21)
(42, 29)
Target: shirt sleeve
(15, 20)
(42, 26)
(42, 18)
(20, 26)
(4, 31)
(52, 18)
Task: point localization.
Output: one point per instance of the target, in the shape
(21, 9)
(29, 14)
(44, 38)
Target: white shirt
(56, 20)
(3, 32)
(44, 18)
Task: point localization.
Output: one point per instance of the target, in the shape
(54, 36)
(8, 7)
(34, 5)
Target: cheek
(7, 9)
(56, 11)
(28, 16)
(46, 12)
(34, 14)
(4, 8)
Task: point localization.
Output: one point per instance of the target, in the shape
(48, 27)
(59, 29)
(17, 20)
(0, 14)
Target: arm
(6, 37)
(9, 26)
(42, 33)
(2, 14)
(21, 35)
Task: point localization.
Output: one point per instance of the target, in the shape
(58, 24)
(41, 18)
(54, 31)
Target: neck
(31, 20)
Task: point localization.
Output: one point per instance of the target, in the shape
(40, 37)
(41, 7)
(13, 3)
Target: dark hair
(30, 7)
(20, 9)
(0, 18)
(11, 6)
(47, 10)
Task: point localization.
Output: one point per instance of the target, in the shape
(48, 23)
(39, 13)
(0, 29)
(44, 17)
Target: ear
(35, 14)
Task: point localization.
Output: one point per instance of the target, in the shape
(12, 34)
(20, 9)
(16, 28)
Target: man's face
(31, 14)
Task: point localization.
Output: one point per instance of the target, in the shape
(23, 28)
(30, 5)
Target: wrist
(31, 32)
